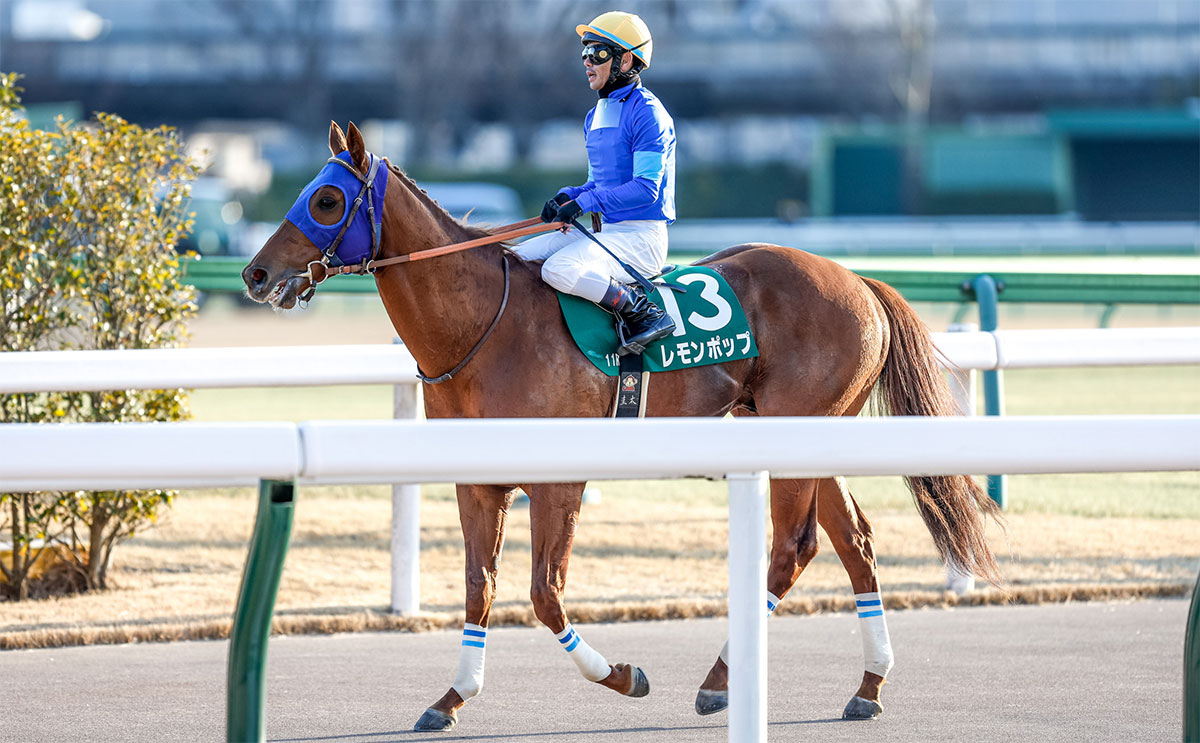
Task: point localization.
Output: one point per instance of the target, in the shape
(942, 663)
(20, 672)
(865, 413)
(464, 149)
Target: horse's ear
(358, 148)
(337, 139)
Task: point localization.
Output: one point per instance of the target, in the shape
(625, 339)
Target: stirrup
(627, 345)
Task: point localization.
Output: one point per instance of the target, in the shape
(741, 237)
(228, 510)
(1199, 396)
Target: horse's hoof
(434, 720)
(862, 709)
(641, 684)
(711, 702)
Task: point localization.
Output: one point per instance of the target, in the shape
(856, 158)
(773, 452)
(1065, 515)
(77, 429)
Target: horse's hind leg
(553, 516)
(794, 545)
(850, 532)
(483, 512)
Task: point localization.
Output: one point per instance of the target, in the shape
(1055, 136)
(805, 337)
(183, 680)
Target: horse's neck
(439, 306)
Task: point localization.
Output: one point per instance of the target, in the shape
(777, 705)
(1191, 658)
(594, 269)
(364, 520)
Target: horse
(826, 338)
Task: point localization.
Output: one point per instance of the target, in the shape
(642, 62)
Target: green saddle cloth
(710, 327)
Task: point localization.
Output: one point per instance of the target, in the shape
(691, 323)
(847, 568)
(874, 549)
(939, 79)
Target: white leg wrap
(877, 646)
(772, 602)
(469, 681)
(591, 664)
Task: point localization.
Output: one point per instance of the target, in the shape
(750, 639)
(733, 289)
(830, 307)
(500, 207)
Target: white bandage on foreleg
(591, 664)
(877, 646)
(469, 681)
(772, 602)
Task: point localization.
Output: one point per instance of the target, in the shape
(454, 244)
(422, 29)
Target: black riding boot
(639, 321)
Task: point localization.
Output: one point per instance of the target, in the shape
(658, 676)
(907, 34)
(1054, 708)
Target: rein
(318, 271)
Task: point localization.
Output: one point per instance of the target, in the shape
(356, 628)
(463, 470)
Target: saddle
(710, 328)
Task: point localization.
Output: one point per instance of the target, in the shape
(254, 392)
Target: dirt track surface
(1091, 671)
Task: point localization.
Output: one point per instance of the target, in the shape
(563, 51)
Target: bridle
(320, 270)
(330, 252)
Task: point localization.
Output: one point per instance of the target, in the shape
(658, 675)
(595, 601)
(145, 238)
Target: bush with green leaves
(89, 218)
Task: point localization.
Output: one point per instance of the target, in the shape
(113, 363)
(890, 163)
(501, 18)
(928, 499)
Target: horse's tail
(911, 383)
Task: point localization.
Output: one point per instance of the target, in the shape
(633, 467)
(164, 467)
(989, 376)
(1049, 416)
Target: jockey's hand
(551, 208)
(568, 212)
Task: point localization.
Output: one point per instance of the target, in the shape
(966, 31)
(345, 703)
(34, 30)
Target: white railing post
(747, 606)
(406, 519)
(963, 386)
(963, 381)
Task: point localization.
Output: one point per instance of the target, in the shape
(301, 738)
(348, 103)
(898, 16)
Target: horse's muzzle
(282, 294)
(256, 280)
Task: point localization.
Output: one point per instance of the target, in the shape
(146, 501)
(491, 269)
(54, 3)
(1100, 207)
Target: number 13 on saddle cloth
(710, 326)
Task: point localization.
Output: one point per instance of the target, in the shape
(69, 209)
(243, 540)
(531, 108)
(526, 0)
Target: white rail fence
(180, 455)
(292, 366)
(65, 371)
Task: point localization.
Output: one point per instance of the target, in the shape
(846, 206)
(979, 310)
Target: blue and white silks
(631, 158)
(631, 183)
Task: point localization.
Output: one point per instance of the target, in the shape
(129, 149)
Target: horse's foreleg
(553, 516)
(794, 517)
(483, 511)
(850, 532)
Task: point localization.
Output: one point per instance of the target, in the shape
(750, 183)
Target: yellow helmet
(623, 29)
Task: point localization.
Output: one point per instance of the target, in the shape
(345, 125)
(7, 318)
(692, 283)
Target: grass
(648, 549)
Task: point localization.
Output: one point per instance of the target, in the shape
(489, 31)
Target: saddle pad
(710, 327)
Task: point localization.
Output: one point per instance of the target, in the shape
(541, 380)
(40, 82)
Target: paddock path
(1094, 671)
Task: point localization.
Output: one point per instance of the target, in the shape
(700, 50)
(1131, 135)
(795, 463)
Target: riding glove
(568, 212)
(551, 207)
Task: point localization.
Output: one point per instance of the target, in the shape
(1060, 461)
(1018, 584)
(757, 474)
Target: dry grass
(636, 557)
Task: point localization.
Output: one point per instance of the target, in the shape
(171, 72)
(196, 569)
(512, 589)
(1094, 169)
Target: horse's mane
(443, 216)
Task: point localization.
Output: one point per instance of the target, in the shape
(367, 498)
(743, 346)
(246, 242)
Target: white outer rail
(170, 455)
(68, 371)
(168, 368)
(526, 450)
(530, 450)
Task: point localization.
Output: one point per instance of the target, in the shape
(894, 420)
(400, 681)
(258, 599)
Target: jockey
(630, 141)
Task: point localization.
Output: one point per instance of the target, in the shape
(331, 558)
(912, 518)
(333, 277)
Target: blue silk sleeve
(650, 138)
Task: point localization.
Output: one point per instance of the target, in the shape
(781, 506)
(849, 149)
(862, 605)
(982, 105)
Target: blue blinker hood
(355, 246)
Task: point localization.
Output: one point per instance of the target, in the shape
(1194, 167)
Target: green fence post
(1191, 671)
(987, 296)
(245, 714)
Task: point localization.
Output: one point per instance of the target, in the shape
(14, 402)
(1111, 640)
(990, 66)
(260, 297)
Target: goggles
(599, 54)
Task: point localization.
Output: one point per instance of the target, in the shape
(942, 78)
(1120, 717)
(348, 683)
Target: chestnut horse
(826, 338)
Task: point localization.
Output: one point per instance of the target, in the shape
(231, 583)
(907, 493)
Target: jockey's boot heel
(641, 322)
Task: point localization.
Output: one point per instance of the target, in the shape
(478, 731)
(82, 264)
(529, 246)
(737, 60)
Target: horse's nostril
(255, 277)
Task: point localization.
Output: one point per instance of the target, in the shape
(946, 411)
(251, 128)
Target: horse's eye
(326, 202)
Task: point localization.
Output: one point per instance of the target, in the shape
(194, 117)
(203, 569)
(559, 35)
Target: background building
(783, 107)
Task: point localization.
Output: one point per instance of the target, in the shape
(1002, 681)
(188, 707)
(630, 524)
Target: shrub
(89, 217)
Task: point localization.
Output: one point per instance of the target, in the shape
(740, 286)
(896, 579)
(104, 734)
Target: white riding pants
(576, 265)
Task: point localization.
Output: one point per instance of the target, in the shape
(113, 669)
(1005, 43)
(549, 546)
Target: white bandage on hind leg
(469, 681)
(772, 602)
(877, 646)
(591, 664)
